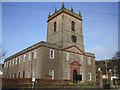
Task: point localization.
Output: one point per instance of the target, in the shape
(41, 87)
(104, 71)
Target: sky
(119, 27)
(0, 23)
(25, 23)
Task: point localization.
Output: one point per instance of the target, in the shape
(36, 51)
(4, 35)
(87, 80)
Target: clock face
(74, 38)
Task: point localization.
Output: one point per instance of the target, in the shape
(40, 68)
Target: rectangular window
(35, 54)
(24, 58)
(30, 56)
(51, 53)
(89, 60)
(55, 26)
(89, 77)
(51, 73)
(20, 59)
(17, 60)
(13, 62)
(67, 75)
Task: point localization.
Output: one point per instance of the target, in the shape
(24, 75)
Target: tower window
(73, 26)
(55, 26)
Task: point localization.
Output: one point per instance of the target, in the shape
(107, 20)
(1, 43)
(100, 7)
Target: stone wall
(27, 83)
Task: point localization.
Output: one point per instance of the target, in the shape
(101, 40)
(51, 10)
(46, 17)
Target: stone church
(61, 57)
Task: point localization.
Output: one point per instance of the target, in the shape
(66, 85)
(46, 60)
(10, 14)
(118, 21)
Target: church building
(61, 57)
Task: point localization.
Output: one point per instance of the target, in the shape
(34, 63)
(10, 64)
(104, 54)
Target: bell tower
(65, 28)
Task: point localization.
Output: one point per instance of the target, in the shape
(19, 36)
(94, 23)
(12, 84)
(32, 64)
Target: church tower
(65, 28)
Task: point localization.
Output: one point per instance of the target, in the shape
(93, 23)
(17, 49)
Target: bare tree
(2, 53)
(116, 55)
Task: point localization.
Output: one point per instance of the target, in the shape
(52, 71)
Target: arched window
(55, 26)
(73, 26)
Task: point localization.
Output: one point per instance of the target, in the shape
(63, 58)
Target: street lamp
(99, 69)
(115, 70)
(106, 70)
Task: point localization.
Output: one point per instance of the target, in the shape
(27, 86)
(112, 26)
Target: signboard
(78, 77)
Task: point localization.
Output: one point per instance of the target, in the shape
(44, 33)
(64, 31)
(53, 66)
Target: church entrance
(74, 71)
(74, 75)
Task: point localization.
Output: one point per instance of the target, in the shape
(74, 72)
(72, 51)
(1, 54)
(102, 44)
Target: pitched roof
(74, 49)
(39, 44)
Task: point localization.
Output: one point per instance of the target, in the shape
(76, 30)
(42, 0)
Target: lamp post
(98, 78)
(106, 70)
(115, 70)
(115, 75)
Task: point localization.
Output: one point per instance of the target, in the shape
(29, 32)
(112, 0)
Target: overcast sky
(24, 24)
